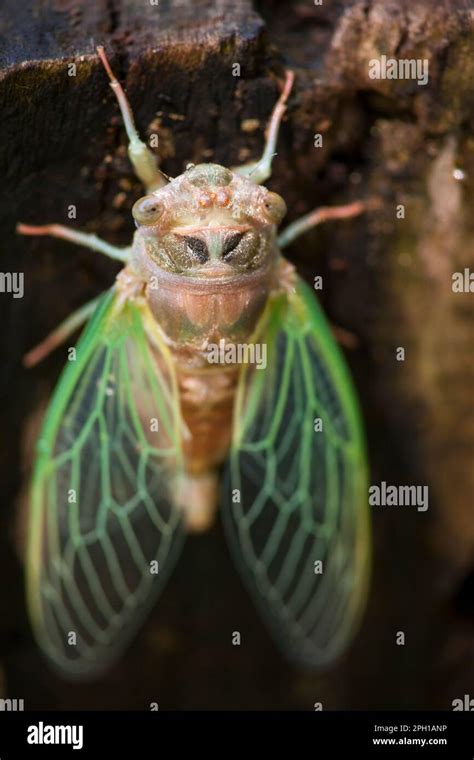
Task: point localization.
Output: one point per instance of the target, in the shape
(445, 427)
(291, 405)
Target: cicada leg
(345, 338)
(142, 158)
(60, 333)
(320, 215)
(261, 170)
(79, 317)
(74, 236)
(307, 222)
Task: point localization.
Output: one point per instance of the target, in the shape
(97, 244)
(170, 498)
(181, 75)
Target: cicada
(142, 421)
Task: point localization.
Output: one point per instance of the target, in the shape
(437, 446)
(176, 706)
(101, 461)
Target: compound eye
(147, 210)
(275, 207)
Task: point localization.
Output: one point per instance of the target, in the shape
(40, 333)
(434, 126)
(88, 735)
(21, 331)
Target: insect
(141, 421)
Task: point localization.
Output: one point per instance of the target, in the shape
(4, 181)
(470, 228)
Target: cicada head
(206, 247)
(208, 222)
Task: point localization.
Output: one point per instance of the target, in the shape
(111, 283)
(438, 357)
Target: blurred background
(387, 282)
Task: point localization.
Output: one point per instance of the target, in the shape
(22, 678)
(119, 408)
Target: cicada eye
(275, 207)
(147, 210)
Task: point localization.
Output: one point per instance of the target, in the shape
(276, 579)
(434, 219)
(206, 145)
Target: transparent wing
(103, 532)
(296, 514)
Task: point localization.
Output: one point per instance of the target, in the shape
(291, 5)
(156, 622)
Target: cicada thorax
(206, 250)
(195, 312)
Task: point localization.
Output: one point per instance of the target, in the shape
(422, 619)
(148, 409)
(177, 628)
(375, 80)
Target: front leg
(320, 215)
(61, 333)
(74, 236)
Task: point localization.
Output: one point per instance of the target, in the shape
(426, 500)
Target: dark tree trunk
(386, 279)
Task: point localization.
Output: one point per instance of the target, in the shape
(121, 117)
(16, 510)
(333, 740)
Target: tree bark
(387, 279)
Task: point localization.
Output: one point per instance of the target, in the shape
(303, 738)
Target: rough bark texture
(386, 279)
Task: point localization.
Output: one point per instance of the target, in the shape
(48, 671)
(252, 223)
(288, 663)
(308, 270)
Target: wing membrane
(103, 532)
(299, 486)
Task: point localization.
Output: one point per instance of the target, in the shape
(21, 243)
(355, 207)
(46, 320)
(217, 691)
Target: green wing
(103, 533)
(297, 516)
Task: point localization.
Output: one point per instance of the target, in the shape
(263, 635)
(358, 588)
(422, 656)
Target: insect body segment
(140, 424)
